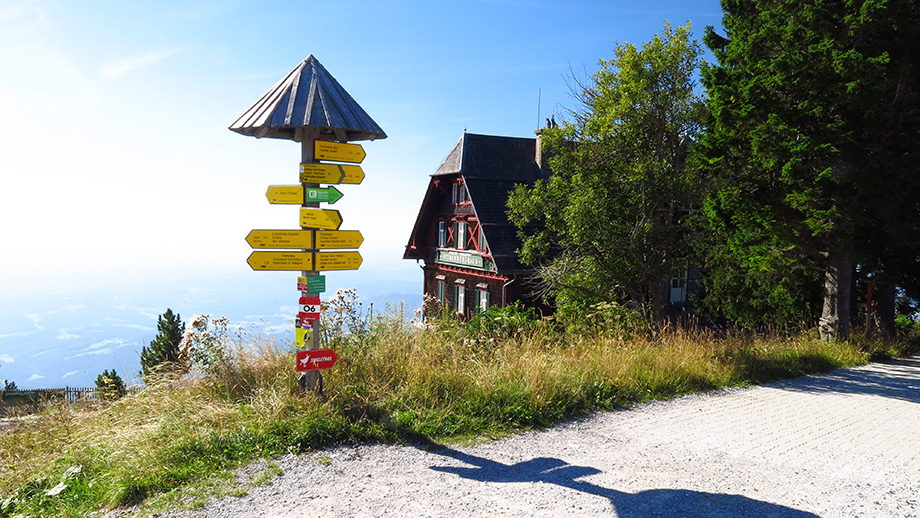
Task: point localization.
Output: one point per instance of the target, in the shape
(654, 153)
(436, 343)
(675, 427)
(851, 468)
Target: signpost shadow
(655, 502)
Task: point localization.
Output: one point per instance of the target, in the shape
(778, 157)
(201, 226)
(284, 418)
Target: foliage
(811, 153)
(619, 181)
(162, 354)
(110, 386)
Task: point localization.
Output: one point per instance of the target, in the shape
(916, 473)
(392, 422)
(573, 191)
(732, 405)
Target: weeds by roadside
(396, 380)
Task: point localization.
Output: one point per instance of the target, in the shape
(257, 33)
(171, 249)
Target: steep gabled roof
(490, 166)
(307, 96)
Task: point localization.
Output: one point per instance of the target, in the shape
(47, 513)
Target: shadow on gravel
(655, 502)
(895, 379)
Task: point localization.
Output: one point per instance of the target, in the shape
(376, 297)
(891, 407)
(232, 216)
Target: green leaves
(619, 178)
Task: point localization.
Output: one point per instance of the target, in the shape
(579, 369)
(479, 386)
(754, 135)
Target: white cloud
(71, 373)
(135, 326)
(118, 68)
(118, 342)
(35, 377)
(6, 358)
(107, 350)
(35, 318)
(64, 335)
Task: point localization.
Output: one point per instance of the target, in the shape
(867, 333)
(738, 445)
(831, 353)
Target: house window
(461, 235)
(461, 193)
(679, 287)
(461, 299)
(442, 233)
(453, 195)
(483, 301)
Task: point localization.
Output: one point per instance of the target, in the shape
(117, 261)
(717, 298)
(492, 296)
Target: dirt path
(844, 444)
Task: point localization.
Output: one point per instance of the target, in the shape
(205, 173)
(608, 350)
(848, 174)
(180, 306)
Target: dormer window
(458, 193)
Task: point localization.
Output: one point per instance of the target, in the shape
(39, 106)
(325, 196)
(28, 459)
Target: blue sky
(118, 168)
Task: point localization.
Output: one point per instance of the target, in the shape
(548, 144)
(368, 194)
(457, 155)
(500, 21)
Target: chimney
(542, 159)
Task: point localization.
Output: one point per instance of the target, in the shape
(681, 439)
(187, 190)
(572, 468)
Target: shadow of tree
(895, 379)
(656, 502)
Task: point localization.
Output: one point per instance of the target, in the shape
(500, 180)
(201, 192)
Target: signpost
(338, 152)
(304, 249)
(316, 359)
(297, 195)
(331, 173)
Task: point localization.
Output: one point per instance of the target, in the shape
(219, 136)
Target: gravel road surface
(843, 444)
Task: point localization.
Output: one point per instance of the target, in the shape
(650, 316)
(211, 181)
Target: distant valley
(51, 339)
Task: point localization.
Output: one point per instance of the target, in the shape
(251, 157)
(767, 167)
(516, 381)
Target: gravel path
(843, 444)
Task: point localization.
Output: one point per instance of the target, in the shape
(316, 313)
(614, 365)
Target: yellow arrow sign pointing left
(290, 194)
(280, 239)
(320, 218)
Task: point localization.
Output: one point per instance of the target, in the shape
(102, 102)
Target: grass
(176, 440)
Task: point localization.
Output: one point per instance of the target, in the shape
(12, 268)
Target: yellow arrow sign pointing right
(320, 218)
(339, 152)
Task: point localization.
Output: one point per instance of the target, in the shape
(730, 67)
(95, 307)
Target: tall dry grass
(396, 380)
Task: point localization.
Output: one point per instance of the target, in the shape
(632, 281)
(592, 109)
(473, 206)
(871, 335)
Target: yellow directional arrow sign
(280, 239)
(331, 173)
(330, 239)
(303, 239)
(320, 218)
(292, 194)
(260, 260)
(336, 151)
(326, 261)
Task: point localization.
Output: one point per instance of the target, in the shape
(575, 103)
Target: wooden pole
(310, 380)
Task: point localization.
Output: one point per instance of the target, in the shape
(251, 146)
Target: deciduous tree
(602, 227)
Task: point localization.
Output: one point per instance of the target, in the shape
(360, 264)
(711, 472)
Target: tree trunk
(885, 308)
(835, 316)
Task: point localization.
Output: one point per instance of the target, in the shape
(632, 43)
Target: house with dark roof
(462, 235)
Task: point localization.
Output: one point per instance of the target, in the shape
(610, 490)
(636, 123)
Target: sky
(119, 173)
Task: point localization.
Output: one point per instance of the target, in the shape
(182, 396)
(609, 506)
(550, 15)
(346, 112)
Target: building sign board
(456, 258)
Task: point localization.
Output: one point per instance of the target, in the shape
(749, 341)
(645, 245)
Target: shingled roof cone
(308, 96)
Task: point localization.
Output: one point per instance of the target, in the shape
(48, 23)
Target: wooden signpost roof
(308, 96)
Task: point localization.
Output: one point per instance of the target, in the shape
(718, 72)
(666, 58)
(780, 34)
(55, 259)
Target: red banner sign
(316, 359)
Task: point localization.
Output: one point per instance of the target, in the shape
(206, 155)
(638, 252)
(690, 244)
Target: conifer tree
(163, 351)
(110, 386)
(812, 154)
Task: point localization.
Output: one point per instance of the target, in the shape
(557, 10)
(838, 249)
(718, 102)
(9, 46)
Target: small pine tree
(110, 386)
(163, 350)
